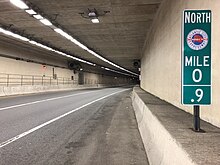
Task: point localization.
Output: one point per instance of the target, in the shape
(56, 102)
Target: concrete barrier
(20, 90)
(2, 93)
(160, 146)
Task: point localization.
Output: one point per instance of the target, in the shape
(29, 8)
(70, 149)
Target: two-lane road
(63, 127)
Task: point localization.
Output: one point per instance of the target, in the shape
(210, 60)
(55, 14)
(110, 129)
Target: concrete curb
(160, 146)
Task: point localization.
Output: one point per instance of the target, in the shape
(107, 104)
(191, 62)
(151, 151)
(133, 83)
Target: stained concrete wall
(12, 66)
(24, 70)
(91, 78)
(36, 54)
(161, 60)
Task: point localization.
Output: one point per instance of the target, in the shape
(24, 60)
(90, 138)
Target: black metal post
(196, 118)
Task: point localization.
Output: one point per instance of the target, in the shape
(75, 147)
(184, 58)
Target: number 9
(199, 94)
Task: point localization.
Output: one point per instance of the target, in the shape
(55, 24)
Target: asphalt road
(83, 127)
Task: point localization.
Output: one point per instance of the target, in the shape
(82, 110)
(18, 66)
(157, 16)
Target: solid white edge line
(40, 101)
(55, 119)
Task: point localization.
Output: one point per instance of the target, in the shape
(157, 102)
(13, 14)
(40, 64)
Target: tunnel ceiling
(119, 36)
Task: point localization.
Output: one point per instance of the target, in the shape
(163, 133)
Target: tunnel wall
(24, 70)
(22, 52)
(15, 69)
(161, 59)
(11, 66)
(91, 78)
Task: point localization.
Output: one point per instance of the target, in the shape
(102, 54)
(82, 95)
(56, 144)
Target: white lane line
(55, 119)
(40, 101)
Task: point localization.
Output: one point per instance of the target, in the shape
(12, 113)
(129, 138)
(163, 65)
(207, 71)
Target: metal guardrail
(21, 80)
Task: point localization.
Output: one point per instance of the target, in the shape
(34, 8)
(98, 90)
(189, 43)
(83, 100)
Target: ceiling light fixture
(30, 11)
(20, 4)
(93, 15)
(95, 20)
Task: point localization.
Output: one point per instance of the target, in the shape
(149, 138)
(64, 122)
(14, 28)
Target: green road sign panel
(196, 57)
(196, 95)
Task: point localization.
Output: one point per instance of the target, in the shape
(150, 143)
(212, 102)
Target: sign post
(196, 118)
(196, 60)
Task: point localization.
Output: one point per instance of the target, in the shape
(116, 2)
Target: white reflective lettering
(203, 17)
(193, 17)
(199, 94)
(206, 61)
(197, 61)
(188, 61)
(199, 18)
(187, 17)
(199, 75)
(208, 17)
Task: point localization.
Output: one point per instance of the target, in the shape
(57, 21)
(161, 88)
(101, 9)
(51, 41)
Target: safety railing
(21, 80)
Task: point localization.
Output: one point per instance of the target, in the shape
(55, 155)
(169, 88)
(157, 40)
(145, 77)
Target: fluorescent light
(115, 71)
(1, 30)
(20, 37)
(79, 44)
(6, 32)
(9, 33)
(31, 12)
(95, 20)
(46, 22)
(59, 52)
(33, 42)
(41, 45)
(38, 16)
(69, 37)
(19, 4)
(59, 31)
(109, 62)
(98, 56)
(64, 34)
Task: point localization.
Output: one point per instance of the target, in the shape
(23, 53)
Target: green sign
(196, 57)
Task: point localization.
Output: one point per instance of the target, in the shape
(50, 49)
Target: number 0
(194, 75)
